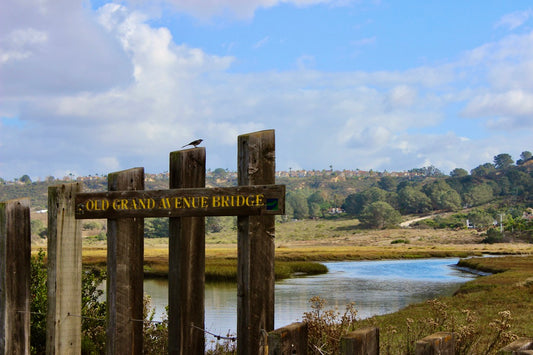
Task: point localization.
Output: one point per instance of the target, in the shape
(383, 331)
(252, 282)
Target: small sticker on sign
(272, 204)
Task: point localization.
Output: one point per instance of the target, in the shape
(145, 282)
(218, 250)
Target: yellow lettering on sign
(97, 205)
(216, 201)
(204, 202)
(260, 200)
(133, 204)
(186, 203)
(225, 201)
(141, 203)
(248, 202)
(164, 203)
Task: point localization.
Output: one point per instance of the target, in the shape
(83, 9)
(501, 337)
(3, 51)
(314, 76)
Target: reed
(485, 313)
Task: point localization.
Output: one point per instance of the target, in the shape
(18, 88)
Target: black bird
(194, 143)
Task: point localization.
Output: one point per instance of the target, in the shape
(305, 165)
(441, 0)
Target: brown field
(320, 240)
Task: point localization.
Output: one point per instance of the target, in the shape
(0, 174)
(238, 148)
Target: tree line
(381, 201)
(378, 200)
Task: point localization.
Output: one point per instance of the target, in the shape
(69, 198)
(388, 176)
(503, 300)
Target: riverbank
(486, 313)
(300, 244)
(301, 258)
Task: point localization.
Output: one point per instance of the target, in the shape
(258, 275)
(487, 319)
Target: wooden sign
(218, 201)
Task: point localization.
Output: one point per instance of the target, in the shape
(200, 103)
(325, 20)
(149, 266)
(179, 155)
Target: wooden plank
(441, 343)
(63, 330)
(186, 202)
(15, 250)
(186, 260)
(255, 287)
(291, 339)
(125, 249)
(361, 341)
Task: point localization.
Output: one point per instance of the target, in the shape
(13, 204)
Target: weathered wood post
(186, 276)
(363, 341)
(63, 328)
(255, 287)
(125, 254)
(15, 252)
(291, 339)
(521, 346)
(441, 343)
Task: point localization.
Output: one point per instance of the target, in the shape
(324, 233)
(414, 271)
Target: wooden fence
(293, 339)
(15, 296)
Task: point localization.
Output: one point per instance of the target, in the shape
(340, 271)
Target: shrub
(493, 236)
(326, 327)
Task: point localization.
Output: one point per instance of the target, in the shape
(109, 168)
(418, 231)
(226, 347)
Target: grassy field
(314, 241)
(486, 313)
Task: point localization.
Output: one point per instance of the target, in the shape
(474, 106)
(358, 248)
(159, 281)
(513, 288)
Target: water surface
(376, 287)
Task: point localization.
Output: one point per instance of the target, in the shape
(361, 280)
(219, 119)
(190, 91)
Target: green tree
(156, 227)
(458, 172)
(379, 214)
(93, 309)
(503, 161)
(480, 219)
(219, 173)
(483, 170)
(25, 179)
(442, 196)
(355, 203)
(388, 183)
(38, 303)
(478, 195)
(213, 224)
(524, 156)
(38, 228)
(412, 200)
(318, 204)
(298, 203)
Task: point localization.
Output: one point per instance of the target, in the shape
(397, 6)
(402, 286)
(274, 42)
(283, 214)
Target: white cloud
(240, 9)
(119, 92)
(261, 42)
(515, 19)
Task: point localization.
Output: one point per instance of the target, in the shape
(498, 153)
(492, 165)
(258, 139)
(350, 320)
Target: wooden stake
(15, 249)
(63, 330)
(186, 260)
(125, 253)
(255, 288)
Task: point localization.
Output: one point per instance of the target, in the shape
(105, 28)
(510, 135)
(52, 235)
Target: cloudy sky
(91, 87)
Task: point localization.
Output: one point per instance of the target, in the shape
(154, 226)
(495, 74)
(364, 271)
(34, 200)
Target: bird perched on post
(194, 143)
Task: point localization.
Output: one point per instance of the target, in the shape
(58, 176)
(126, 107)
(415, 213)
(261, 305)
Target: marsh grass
(486, 313)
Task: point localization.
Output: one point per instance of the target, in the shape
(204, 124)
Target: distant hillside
(315, 194)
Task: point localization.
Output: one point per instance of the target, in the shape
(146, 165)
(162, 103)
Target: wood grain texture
(125, 253)
(255, 287)
(63, 333)
(15, 250)
(186, 260)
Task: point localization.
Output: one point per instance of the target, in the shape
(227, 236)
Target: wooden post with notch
(63, 328)
(15, 251)
(186, 260)
(255, 287)
(125, 253)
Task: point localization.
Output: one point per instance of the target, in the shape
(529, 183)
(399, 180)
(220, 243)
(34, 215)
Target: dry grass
(324, 240)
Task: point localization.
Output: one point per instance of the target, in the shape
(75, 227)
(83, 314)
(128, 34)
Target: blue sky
(91, 87)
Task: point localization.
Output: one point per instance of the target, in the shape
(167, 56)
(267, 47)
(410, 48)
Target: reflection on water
(377, 287)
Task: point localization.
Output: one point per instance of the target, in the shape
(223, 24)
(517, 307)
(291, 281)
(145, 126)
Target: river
(376, 287)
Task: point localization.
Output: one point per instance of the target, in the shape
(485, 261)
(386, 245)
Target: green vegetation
(486, 313)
